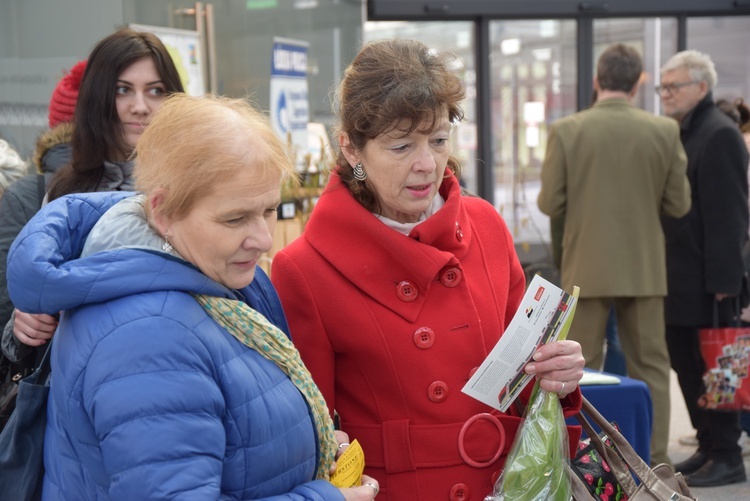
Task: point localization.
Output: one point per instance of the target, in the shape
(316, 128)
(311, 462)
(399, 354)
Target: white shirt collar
(405, 228)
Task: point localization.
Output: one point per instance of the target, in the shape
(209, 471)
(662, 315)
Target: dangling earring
(359, 172)
(167, 247)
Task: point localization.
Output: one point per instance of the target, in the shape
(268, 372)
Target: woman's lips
(246, 264)
(136, 126)
(419, 190)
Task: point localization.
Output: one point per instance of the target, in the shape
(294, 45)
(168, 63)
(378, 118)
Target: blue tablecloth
(629, 405)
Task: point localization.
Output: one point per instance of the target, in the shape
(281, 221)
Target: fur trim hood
(60, 135)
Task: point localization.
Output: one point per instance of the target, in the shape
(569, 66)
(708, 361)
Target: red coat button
(406, 291)
(438, 391)
(424, 337)
(459, 232)
(473, 371)
(451, 277)
(460, 492)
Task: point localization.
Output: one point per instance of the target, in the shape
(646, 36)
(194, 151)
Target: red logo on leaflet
(539, 293)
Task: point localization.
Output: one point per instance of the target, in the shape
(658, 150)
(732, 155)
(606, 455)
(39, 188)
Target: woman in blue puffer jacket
(173, 376)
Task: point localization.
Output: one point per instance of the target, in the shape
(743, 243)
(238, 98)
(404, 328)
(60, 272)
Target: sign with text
(290, 110)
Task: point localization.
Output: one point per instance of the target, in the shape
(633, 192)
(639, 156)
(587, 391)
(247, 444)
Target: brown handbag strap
(578, 489)
(634, 462)
(617, 466)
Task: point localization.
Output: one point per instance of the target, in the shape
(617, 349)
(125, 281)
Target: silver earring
(167, 247)
(359, 172)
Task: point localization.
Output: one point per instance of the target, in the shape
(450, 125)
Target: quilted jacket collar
(46, 275)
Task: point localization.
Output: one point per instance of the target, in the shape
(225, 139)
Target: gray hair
(699, 65)
(12, 166)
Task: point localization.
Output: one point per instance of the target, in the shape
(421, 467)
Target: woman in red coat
(400, 287)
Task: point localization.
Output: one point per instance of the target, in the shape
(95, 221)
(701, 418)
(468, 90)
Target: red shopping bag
(726, 352)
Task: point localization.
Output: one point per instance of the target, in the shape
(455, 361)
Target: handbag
(594, 471)
(638, 481)
(10, 374)
(726, 353)
(9, 378)
(22, 439)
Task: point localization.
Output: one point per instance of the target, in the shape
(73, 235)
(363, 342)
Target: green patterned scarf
(254, 330)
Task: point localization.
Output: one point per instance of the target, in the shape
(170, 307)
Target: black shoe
(692, 464)
(715, 473)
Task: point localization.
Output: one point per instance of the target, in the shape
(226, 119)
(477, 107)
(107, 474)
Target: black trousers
(718, 431)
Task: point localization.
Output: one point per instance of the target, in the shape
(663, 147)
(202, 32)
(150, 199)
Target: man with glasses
(704, 255)
(610, 171)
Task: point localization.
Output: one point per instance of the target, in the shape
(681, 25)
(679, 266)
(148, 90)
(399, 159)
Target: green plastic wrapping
(535, 469)
(537, 465)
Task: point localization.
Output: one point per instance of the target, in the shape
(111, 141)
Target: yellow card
(349, 466)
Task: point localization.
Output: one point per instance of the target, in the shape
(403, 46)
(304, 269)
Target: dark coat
(704, 248)
(18, 205)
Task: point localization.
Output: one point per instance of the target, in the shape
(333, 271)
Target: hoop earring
(166, 247)
(359, 172)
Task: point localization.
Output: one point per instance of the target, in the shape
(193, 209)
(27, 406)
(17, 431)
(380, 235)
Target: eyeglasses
(671, 89)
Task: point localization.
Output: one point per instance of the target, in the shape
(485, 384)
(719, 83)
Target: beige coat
(612, 170)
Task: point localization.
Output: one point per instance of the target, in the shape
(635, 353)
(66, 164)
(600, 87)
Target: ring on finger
(343, 444)
(374, 487)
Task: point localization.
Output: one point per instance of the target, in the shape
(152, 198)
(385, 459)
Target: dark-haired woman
(128, 75)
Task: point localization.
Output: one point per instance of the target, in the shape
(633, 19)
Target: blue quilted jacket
(150, 398)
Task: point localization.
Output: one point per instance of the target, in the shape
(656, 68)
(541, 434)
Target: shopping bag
(22, 439)
(536, 465)
(726, 353)
(638, 481)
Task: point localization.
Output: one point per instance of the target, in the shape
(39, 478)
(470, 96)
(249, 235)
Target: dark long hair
(97, 131)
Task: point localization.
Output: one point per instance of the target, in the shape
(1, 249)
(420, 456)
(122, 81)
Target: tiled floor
(680, 425)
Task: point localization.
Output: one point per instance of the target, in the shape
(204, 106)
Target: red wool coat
(391, 328)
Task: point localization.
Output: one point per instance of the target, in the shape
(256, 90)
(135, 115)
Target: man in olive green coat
(611, 171)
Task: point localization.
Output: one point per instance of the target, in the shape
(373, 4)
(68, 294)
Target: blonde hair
(193, 143)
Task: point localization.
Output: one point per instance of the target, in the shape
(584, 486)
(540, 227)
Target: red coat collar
(375, 257)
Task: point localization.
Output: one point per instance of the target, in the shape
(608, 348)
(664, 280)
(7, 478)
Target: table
(629, 405)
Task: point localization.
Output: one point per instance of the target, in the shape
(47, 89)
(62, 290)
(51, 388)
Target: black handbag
(9, 378)
(10, 374)
(22, 439)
